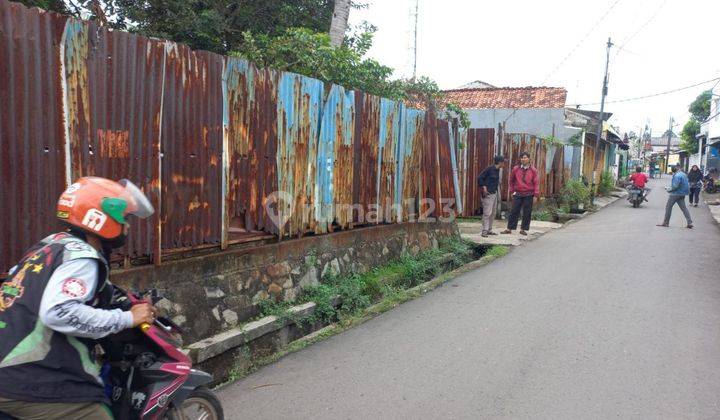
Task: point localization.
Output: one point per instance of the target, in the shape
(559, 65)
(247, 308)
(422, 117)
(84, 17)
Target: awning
(612, 135)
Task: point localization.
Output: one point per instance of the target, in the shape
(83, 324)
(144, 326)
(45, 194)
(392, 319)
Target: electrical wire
(582, 40)
(641, 28)
(667, 92)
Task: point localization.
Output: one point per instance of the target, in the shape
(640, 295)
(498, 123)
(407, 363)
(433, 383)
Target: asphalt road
(610, 317)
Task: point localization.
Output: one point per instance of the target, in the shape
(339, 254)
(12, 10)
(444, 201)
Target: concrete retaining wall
(209, 294)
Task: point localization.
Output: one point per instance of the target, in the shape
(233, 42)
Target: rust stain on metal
(367, 130)
(113, 144)
(209, 139)
(251, 122)
(32, 150)
(479, 149)
(114, 80)
(192, 128)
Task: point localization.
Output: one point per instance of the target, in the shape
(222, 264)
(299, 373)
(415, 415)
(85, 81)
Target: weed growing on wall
(358, 291)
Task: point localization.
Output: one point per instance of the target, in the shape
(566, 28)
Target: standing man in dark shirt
(488, 182)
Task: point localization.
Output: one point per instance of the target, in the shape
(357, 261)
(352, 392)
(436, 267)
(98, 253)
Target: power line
(582, 40)
(710, 117)
(641, 28)
(651, 95)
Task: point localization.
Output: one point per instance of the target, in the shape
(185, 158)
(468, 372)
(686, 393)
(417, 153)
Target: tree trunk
(338, 26)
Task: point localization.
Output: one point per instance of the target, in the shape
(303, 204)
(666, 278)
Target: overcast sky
(666, 44)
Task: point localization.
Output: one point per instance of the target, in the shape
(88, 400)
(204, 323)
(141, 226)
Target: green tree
(52, 5)
(700, 107)
(310, 53)
(700, 110)
(212, 25)
(219, 25)
(688, 141)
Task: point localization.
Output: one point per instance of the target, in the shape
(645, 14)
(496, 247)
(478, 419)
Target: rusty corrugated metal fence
(225, 150)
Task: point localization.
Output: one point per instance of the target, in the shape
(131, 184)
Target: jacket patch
(10, 291)
(74, 288)
(78, 246)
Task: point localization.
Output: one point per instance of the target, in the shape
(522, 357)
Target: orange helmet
(99, 206)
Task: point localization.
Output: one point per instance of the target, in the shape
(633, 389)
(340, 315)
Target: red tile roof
(508, 97)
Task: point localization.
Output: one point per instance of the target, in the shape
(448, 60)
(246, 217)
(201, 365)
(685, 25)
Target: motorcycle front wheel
(202, 404)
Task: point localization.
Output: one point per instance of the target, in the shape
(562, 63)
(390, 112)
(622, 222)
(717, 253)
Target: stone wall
(208, 294)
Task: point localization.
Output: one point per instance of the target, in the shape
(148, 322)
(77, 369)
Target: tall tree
(213, 25)
(339, 24)
(218, 25)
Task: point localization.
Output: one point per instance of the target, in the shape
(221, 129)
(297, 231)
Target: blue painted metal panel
(324, 192)
(298, 107)
(388, 140)
(453, 160)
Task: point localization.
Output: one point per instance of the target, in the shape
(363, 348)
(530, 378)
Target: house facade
(538, 111)
(711, 157)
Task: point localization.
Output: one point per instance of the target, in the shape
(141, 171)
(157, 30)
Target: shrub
(607, 183)
(575, 193)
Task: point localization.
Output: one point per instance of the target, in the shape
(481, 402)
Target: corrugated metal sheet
(430, 170)
(192, 141)
(389, 135)
(325, 161)
(365, 168)
(114, 82)
(447, 170)
(250, 129)
(339, 118)
(298, 109)
(409, 153)
(479, 151)
(209, 139)
(32, 146)
(453, 144)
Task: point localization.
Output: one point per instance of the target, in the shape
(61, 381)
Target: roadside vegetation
(358, 291)
(363, 296)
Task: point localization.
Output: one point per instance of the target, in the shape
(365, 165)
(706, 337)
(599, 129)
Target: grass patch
(544, 215)
(497, 251)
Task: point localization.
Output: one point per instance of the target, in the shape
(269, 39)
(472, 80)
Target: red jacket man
(524, 185)
(524, 180)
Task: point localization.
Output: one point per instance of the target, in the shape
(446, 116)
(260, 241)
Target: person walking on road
(488, 182)
(679, 188)
(695, 178)
(524, 186)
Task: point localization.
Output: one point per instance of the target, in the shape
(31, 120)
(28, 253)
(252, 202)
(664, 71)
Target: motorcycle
(712, 186)
(148, 377)
(636, 196)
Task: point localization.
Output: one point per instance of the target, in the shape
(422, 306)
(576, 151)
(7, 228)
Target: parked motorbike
(148, 377)
(712, 186)
(636, 196)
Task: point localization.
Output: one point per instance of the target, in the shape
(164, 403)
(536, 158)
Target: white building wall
(537, 122)
(713, 124)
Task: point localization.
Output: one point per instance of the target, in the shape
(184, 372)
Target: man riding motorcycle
(639, 180)
(51, 306)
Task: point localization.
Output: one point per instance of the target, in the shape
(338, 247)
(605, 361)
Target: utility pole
(667, 150)
(415, 40)
(602, 114)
